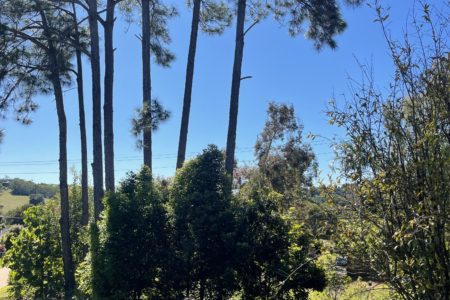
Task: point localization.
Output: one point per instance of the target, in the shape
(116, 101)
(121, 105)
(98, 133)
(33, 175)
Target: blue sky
(284, 69)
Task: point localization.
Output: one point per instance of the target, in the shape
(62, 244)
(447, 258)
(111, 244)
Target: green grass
(4, 293)
(9, 202)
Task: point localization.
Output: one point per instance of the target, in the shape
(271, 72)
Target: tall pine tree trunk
(97, 165)
(108, 104)
(82, 120)
(188, 84)
(235, 87)
(146, 82)
(69, 278)
(84, 156)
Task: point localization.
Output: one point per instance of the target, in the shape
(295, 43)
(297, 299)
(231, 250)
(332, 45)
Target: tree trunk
(84, 157)
(146, 82)
(82, 119)
(97, 165)
(202, 289)
(235, 87)
(108, 104)
(69, 278)
(188, 84)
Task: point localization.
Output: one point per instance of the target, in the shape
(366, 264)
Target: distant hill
(20, 187)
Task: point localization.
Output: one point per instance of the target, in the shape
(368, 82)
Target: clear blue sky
(284, 69)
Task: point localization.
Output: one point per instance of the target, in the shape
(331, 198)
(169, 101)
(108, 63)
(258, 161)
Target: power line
(127, 158)
(118, 159)
(56, 172)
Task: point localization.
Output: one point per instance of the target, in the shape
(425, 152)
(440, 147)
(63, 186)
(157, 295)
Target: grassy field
(9, 202)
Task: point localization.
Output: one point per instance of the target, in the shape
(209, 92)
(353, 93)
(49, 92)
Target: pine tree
(97, 165)
(82, 119)
(41, 64)
(324, 23)
(213, 17)
(154, 35)
(153, 17)
(108, 25)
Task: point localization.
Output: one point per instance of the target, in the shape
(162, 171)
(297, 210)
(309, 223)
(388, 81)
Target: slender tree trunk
(84, 155)
(69, 278)
(235, 87)
(108, 104)
(97, 165)
(82, 119)
(188, 85)
(202, 289)
(146, 82)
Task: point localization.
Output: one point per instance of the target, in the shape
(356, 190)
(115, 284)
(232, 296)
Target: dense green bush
(204, 227)
(274, 257)
(204, 243)
(34, 251)
(35, 255)
(7, 237)
(130, 246)
(162, 239)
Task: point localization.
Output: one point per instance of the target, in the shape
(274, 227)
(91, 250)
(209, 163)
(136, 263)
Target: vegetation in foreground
(4, 293)
(191, 238)
(261, 232)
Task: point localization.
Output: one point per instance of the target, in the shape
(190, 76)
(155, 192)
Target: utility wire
(123, 158)
(126, 158)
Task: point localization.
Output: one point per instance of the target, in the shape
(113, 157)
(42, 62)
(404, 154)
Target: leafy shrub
(15, 216)
(35, 255)
(12, 232)
(129, 247)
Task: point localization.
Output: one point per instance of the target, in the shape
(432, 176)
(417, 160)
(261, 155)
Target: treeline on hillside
(26, 188)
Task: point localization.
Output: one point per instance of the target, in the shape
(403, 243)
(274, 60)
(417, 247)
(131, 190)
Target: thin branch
(251, 26)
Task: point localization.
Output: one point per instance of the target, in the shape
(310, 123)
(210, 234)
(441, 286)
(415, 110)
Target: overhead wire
(122, 159)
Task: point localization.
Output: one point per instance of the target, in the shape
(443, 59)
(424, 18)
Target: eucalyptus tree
(154, 37)
(40, 64)
(285, 162)
(324, 23)
(213, 17)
